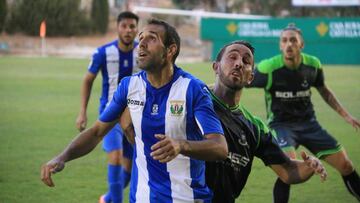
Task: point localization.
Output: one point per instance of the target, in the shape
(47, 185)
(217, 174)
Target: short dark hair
(292, 26)
(245, 43)
(127, 14)
(171, 35)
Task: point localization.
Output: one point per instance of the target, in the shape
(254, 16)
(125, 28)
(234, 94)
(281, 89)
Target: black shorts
(308, 134)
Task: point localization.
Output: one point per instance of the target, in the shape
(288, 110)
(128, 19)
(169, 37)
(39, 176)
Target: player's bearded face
(236, 67)
(152, 52)
(127, 30)
(291, 44)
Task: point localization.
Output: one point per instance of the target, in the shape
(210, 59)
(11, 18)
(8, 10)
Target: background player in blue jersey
(175, 125)
(115, 60)
(287, 79)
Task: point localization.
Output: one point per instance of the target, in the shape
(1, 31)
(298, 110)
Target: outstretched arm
(297, 171)
(331, 100)
(86, 86)
(84, 143)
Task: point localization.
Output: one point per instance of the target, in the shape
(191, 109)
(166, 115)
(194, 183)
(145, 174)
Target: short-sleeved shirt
(114, 64)
(181, 109)
(287, 91)
(247, 136)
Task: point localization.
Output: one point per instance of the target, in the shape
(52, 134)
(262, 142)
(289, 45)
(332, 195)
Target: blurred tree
(63, 17)
(186, 4)
(3, 13)
(100, 15)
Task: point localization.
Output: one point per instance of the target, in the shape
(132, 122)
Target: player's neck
(125, 47)
(292, 63)
(229, 96)
(160, 77)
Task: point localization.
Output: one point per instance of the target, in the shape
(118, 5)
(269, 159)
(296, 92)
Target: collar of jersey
(219, 101)
(166, 86)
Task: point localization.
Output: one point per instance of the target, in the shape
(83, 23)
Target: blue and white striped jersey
(114, 65)
(182, 109)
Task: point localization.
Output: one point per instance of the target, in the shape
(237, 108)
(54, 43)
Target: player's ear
(302, 45)
(215, 67)
(171, 50)
(251, 78)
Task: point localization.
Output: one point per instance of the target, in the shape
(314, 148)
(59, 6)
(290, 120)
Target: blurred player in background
(287, 79)
(115, 60)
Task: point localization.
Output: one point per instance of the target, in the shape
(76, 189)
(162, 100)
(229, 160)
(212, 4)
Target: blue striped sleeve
(97, 61)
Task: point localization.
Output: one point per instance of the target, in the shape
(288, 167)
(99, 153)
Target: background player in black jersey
(287, 79)
(246, 135)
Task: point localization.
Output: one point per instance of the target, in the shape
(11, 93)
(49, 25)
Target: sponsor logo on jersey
(112, 61)
(135, 102)
(237, 159)
(305, 93)
(126, 63)
(177, 107)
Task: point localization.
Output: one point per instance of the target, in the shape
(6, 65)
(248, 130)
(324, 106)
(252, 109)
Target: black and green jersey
(247, 136)
(287, 91)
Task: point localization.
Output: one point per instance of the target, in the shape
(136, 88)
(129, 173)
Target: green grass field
(39, 102)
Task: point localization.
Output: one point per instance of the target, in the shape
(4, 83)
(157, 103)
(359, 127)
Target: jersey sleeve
(205, 115)
(117, 104)
(319, 80)
(268, 150)
(260, 79)
(97, 61)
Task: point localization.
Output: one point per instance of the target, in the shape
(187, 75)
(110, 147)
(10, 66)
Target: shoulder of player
(136, 76)
(310, 60)
(256, 121)
(109, 44)
(269, 65)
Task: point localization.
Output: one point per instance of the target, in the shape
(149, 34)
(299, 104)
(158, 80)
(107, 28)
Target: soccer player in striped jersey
(114, 60)
(287, 79)
(175, 124)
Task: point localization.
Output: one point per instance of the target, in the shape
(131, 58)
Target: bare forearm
(85, 95)
(332, 101)
(84, 143)
(211, 149)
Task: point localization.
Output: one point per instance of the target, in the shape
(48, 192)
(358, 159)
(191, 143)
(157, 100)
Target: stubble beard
(126, 43)
(230, 84)
(153, 65)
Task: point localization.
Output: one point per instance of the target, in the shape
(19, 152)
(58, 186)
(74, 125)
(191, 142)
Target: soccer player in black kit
(246, 135)
(287, 79)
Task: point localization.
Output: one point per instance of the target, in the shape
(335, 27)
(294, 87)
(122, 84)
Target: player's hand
(50, 168)
(353, 121)
(166, 149)
(315, 164)
(81, 122)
